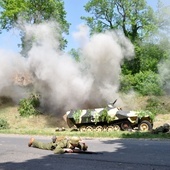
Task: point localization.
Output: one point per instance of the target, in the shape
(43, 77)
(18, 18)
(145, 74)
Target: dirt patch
(161, 119)
(15, 121)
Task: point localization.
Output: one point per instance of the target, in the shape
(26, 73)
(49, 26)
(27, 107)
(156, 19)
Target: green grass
(46, 124)
(116, 134)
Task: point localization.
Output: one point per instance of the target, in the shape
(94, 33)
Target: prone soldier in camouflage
(161, 129)
(59, 146)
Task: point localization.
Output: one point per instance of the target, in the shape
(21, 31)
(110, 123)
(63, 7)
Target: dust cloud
(82, 35)
(62, 82)
(164, 72)
(12, 64)
(163, 36)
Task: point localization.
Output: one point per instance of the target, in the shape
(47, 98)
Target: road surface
(122, 154)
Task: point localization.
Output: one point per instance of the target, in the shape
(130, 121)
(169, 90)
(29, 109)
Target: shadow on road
(116, 154)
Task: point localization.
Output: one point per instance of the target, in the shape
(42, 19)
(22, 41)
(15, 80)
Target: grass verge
(116, 134)
(46, 124)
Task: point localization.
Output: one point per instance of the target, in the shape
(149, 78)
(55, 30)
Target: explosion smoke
(62, 82)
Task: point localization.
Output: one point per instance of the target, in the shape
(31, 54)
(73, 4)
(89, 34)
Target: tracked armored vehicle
(109, 118)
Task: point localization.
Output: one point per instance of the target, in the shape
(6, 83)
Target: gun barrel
(85, 152)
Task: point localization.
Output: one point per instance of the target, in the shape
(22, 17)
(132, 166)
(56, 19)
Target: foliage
(147, 57)
(127, 83)
(145, 83)
(150, 56)
(33, 12)
(135, 18)
(96, 117)
(105, 117)
(143, 113)
(10, 13)
(77, 115)
(75, 53)
(137, 21)
(4, 124)
(148, 83)
(89, 115)
(28, 106)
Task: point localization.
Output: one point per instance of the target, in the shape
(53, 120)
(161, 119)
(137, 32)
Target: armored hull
(109, 118)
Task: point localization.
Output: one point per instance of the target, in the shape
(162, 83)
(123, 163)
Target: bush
(143, 113)
(148, 83)
(28, 106)
(126, 83)
(145, 83)
(4, 124)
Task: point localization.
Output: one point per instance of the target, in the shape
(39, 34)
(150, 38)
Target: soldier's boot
(30, 142)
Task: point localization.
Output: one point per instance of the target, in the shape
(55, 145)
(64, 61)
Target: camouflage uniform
(161, 129)
(58, 146)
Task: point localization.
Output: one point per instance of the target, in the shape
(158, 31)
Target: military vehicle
(109, 118)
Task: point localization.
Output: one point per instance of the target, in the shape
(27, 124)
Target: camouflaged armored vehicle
(109, 118)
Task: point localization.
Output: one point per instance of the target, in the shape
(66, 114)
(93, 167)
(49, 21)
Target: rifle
(85, 152)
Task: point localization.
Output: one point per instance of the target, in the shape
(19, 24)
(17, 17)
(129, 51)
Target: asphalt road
(122, 154)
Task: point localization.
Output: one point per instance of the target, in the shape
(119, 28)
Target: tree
(138, 22)
(134, 18)
(145, 83)
(150, 56)
(75, 53)
(33, 12)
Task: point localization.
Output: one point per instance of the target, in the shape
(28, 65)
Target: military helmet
(75, 140)
(166, 125)
(54, 138)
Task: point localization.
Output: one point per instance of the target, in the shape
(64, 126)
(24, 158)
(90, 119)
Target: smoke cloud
(163, 36)
(62, 82)
(164, 73)
(82, 35)
(12, 64)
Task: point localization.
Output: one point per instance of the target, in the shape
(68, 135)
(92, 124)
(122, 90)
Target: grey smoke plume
(62, 82)
(12, 64)
(163, 37)
(82, 35)
(102, 56)
(164, 72)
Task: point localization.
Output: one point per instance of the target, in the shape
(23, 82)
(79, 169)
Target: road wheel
(116, 127)
(110, 128)
(82, 128)
(105, 128)
(126, 126)
(99, 129)
(145, 126)
(89, 128)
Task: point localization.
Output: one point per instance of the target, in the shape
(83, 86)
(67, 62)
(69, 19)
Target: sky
(10, 40)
